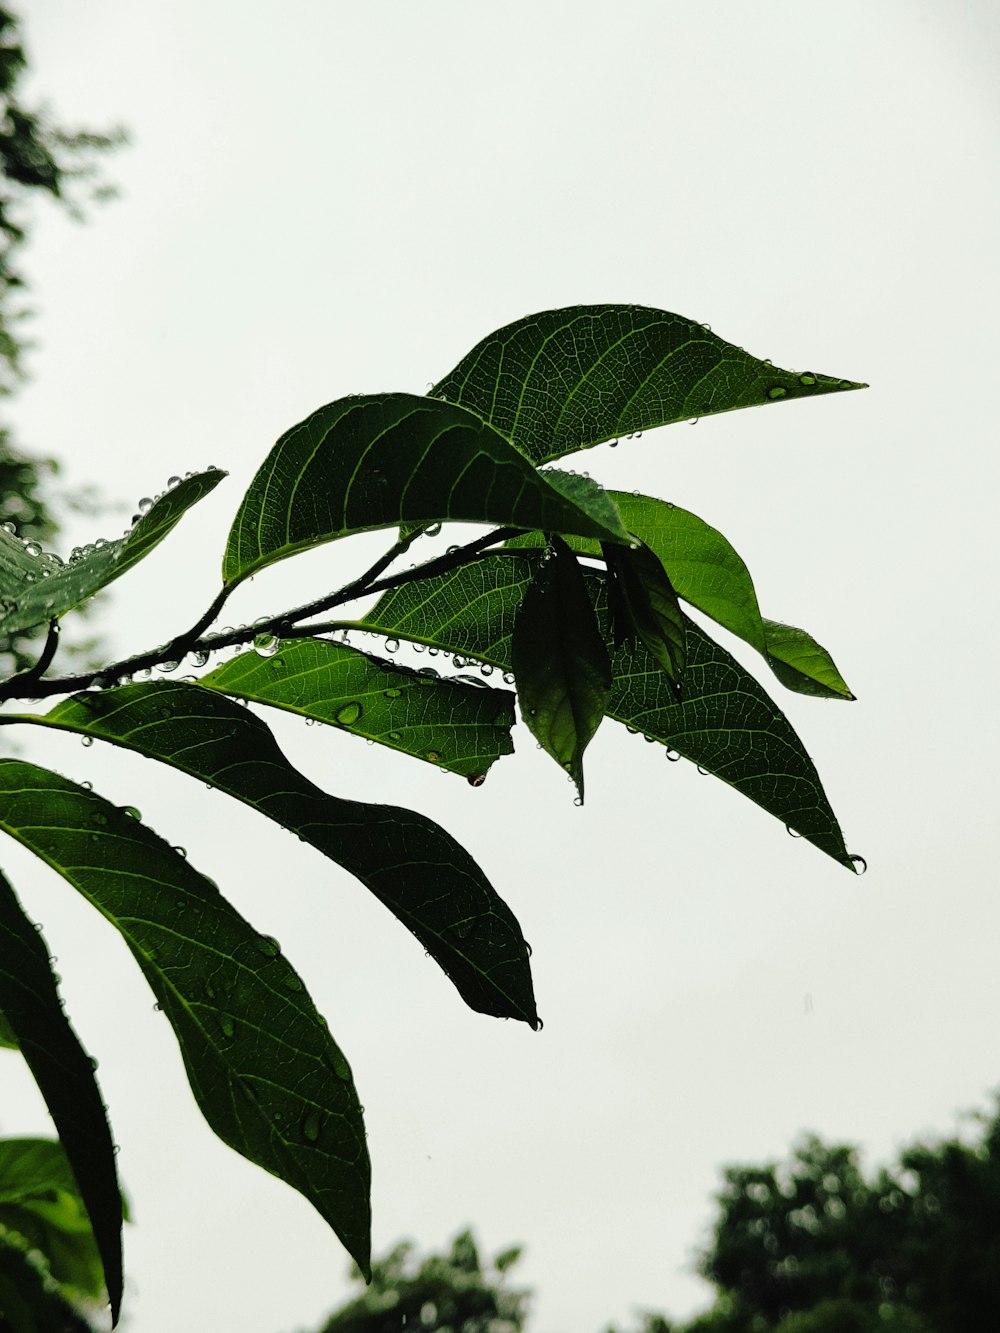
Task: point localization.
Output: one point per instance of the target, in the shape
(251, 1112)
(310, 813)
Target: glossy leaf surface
(452, 726)
(725, 722)
(416, 869)
(396, 459)
(267, 1075)
(560, 661)
(41, 1201)
(65, 1077)
(563, 380)
(37, 588)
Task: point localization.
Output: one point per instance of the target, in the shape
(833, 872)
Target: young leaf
(566, 379)
(448, 724)
(65, 1077)
(560, 661)
(267, 1075)
(41, 1201)
(647, 605)
(725, 722)
(375, 462)
(36, 588)
(416, 869)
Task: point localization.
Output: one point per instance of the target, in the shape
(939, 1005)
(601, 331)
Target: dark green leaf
(725, 722)
(648, 606)
(7, 1039)
(411, 864)
(448, 724)
(373, 462)
(35, 588)
(566, 379)
(40, 1200)
(263, 1067)
(706, 571)
(560, 661)
(65, 1077)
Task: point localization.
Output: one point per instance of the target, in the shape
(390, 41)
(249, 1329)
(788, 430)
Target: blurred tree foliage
(37, 157)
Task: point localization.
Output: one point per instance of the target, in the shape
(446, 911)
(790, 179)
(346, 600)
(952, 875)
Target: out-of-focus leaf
(395, 459)
(560, 661)
(563, 380)
(725, 722)
(445, 723)
(40, 1200)
(425, 878)
(269, 1078)
(65, 1077)
(36, 587)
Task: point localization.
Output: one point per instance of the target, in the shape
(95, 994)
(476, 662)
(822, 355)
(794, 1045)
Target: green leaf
(7, 1039)
(559, 659)
(416, 869)
(263, 1067)
(37, 587)
(647, 605)
(373, 462)
(40, 1200)
(65, 1077)
(450, 725)
(705, 570)
(725, 722)
(567, 379)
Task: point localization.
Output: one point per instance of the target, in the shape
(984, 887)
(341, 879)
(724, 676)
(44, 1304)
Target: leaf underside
(416, 869)
(263, 1067)
(65, 1078)
(725, 721)
(563, 380)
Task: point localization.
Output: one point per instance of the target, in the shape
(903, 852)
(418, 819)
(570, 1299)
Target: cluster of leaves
(37, 157)
(573, 595)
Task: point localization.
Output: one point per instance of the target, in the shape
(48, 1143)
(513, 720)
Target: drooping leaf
(380, 461)
(41, 1201)
(448, 724)
(725, 722)
(36, 587)
(563, 380)
(706, 571)
(65, 1077)
(267, 1075)
(560, 661)
(416, 869)
(645, 605)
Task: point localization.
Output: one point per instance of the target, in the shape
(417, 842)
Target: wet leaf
(373, 462)
(65, 1077)
(725, 722)
(560, 661)
(37, 588)
(644, 607)
(450, 725)
(563, 380)
(261, 1062)
(416, 869)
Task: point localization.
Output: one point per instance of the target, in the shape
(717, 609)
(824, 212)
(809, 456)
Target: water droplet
(339, 1064)
(433, 756)
(198, 658)
(476, 779)
(145, 505)
(87, 786)
(181, 851)
(792, 833)
(392, 645)
(703, 771)
(693, 421)
(860, 864)
(707, 328)
(392, 694)
(32, 549)
(508, 678)
(93, 1062)
(432, 530)
(420, 647)
(167, 666)
(433, 652)
(228, 1026)
(87, 741)
(807, 379)
(779, 391)
(311, 1126)
(672, 756)
(428, 674)
(172, 482)
(578, 800)
(613, 443)
(650, 740)
(8, 527)
(268, 946)
(395, 735)
(292, 982)
(131, 811)
(266, 645)
(349, 713)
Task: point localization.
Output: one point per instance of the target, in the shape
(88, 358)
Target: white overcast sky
(325, 198)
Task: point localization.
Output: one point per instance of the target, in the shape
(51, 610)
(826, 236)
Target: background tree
(37, 157)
